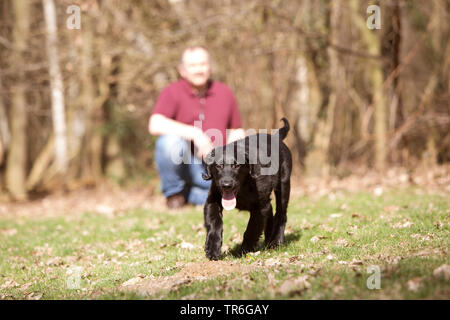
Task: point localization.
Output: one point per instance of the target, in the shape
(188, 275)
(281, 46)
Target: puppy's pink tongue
(229, 203)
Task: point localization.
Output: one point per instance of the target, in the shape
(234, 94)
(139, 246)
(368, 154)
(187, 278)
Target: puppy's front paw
(212, 248)
(213, 255)
(246, 247)
(274, 243)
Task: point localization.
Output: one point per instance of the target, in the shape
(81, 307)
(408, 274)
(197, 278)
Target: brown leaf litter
(106, 200)
(111, 200)
(431, 180)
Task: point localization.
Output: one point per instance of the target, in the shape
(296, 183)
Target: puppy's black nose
(227, 184)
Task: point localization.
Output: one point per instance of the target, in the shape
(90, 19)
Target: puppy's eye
(235, 166)
(219, 166)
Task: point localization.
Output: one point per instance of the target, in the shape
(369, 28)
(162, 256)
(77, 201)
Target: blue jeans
(179, 170)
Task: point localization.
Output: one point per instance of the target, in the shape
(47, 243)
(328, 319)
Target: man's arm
(159, 125)
(1, 151)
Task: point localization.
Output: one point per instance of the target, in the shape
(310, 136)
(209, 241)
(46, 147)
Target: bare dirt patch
(190, 272)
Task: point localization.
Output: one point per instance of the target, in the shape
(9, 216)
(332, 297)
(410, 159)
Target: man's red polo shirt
(217, 108)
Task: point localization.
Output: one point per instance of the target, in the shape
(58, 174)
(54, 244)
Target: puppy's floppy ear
(207, 164)
(207, 174)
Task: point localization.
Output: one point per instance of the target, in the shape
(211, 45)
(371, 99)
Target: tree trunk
(318, 160)
(379, 102)
(75, 115)
(392, 39)
(375, 70)
(5, 135)
(115, 167)
(41, 164)
(97, 114)
(91, 153)
(304, 105)
(57, 89)
(87, 95)
(17, 155)
(438, 16)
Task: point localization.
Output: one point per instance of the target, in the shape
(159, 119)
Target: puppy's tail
(284, 130)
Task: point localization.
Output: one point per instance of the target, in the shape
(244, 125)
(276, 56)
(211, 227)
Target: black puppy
(244, 173)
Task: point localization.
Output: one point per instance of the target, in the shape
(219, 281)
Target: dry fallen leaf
(342, 242)
(391, 208)
(272, 262)
(25, 286)
(198, 227)
(106, 210)
(8, 232)
(378, 191)
(426, 237)
(438, 224)
(316, 238)
(296, 258)
(414, 284)
(8, 284)
(55, 261)
(34, 296)
(156, 258)
(131, 281)
(305, 225)
(314, 271)
(187, 245)
(294, 286)
(355, 263)
(442, 272)
(427, 252)
(337, 289)
(404, 224)
(327, 228)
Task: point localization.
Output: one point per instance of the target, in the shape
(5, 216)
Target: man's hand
(160, 124)
(203, 144)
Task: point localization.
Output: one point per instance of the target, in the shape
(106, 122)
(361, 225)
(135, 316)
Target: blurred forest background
(75, 103)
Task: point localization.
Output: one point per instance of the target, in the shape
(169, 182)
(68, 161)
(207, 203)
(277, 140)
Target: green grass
(405, 233)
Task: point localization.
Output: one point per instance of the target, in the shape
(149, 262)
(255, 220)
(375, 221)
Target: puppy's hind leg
(282, 199)
(269, 226)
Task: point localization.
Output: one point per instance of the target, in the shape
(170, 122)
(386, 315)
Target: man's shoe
(176, 201)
